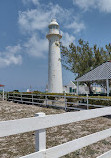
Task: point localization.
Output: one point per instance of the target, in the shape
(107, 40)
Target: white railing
(41, 122)
(45, 100)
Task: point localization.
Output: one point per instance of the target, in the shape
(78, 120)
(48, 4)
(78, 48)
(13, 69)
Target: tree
(82, 58)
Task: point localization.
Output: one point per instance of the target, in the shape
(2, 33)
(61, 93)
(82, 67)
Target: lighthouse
(54, 59)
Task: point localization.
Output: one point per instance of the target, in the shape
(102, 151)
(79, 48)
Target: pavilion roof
(102, 72)
(2, 85)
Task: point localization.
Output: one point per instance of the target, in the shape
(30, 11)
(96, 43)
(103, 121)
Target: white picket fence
(41, 122)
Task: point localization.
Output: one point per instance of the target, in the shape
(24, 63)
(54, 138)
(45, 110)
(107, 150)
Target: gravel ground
(23, 144)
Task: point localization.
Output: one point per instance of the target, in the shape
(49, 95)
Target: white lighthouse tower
(54, 63)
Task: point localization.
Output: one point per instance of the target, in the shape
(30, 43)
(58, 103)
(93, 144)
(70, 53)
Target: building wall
(82, 89)
(67, 89)
(98, 89)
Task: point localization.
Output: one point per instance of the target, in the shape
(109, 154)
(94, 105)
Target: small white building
(28, 90)
(98, 89)
(72, 88)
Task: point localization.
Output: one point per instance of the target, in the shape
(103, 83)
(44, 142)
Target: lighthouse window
(53, 27)
(50, 27)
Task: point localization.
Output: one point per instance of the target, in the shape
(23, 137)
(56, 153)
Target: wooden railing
(41, 122)
(58, 101)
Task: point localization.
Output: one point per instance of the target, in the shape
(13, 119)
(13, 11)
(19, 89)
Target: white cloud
(67, 39)
(36, 46)
(33, 20)
(85, 4)
(76, 26)
(102, 5)
(11, 55)
(35, 23)
(38, 19)
(105, 6)
(35, 2)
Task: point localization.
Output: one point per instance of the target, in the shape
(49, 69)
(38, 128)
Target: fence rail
(58, 101)
(41, 122)
(105, 155)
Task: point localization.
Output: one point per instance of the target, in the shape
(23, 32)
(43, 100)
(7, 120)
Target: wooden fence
(41, 122)
(58, 101)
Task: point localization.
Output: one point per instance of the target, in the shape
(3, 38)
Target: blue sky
(23, 29)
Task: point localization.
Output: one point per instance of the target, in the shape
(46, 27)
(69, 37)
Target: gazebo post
(107, 84)
(77, 88)
(3, 93)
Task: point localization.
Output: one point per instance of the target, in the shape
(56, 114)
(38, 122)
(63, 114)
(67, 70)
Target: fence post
(7, 95)
(13, 96)
(65, 100)
(21, 98)
(45, 100)
(32, 99)
(40, 136)
(87, 102)
(3, 93)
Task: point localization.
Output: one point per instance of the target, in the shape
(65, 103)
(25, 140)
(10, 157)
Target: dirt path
(23, 144)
